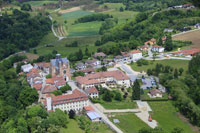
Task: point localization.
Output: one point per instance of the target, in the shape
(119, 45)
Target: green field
(166, 116)
(129, 123)
(84, 29)
(119, 105)
(173, 63)
(49, 38)
(72, 127)
(75, 14)
(83, 42)
(40, 3)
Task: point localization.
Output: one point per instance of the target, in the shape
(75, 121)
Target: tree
(104, 68)
(72, 114)
(177, 130)
(176, 73)
(79, 54)
(65, 88)
(149, 72)
(121, 9)
(136, 90)
(160, 42)
(26, 7)
(48, 76)
(54, 52)
(87, 52)
(35, 51)
(196, 2)
(107, 96)
(118, 96)
(57, 92)
(181, 70)
(98, 43)
(168, 44)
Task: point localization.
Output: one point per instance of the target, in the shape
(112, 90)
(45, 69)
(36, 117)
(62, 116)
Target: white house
(75, 101)
(157, 48)
(135, 55)
(26, 68)
(92, 92)
(93, 62)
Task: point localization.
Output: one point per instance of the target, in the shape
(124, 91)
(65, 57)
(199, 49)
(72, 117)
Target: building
(157, 48)
(92, 92)
(76, 100)
(93, 116)
(55, 80)
(48, 89)
(60, 67)
(87, 70)
(168, 30)
(80, 66)
(150, 42)
(26, 68)
(93, 63)
(34, 77)
(44, 66)
(155, 93)
(103, 78)
(135, 55)
(186, 53)
(100, 54)
(144, 48)
(197, 26)
(38, 87)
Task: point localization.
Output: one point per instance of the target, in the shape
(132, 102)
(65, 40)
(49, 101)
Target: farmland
(40, 3)
(190, 36)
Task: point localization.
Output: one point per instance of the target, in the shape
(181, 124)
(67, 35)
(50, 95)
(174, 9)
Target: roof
(80, 64)
(100, 54)
(55, 62)
(91, 90)
(188, 52)
(87, 70)
(94, 78)
(135, 51)
(155, 91)
(53, 80)
(156, 46)
(37, 86)
(49, 88)
(61, 83)
(91, 61)
(153, 40)
(27, 68)
(76, 96)
(93, 115)
(144, 46)
(43, 64)
(125, 54)
(88, 108)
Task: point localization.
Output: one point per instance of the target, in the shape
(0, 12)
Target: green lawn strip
(173, 63)
(76, 14)
(83, 42)
(72, 127)
(39, 3)
(49, 38)
(166, 116)
(129, 123)
(119, 105)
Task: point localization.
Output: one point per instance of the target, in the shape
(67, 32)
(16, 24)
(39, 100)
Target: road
(43, 85)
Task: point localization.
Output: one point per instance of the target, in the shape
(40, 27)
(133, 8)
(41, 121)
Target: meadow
(173, 63)
(119, 105)
(40, 3)
(166, 116)
(129, 122)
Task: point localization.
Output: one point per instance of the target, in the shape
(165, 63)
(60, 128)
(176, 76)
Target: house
(108, 62)
(135, 55)
(118, 58)
(93, 116)
(197, 26)
(88, 108)
(164, 39)
(34, 76)
(92, 92)
(54, 80)
(187, 53)
(76, 100)
(168, 30)
(100, 54)
(150, 42)
(144, 48)
(126, 56)
(157, 48)
(48, 89)
(80, 66)
(26, 68)
(44, 66)
(60, 83)
(87, 70)
(155, 93)
(60, 67)
(102, 78)
(94, 63)
(38, 87)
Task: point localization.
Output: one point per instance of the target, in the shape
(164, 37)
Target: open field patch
(166, 116)
(119, 105)
(70, 10)
(40, 3)
(129, 122)
(193, 36)
(75, 14)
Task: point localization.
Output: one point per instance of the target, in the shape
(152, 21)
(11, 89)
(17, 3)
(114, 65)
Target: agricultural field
(173, 63)
(75, 14)
(166, 116)
(40, 3)
(129, 122)
(83, 42)
(190, 36)
(119, 105)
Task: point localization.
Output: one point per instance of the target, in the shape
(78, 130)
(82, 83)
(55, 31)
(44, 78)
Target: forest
(20, 31)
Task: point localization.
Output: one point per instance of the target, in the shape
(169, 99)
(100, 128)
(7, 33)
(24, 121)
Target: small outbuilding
(93, 116)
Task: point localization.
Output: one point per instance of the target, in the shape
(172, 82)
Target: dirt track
(69, 10)
(193, 36)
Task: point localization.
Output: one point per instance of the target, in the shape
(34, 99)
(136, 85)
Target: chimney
(49, 106)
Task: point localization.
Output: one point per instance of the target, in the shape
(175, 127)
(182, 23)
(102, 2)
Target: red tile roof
(61, 82)
(76, 96)
(188, 52)
(49, 88)
(53, 80)
(37, 86)
(87, 70)
(88, 108)
(155, 91)
(125, 54)
(91, 90)
(43, 64)
(156, 46)
(135, 51)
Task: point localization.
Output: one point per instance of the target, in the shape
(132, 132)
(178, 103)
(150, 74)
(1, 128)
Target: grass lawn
(75, 14)
(72, 127)
(129, 123)
(40, 3)
(145, 96)
(119, 105)
(84, 29)
(166, 115)
(173, 63)
(49, 38)
(83, 42)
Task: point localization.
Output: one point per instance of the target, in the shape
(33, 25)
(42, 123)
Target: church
(60, 67)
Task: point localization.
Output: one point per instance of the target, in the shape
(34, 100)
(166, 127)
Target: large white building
(26, 68)
(75, 100)
(157, 48)
(103, 78)
(135, 55)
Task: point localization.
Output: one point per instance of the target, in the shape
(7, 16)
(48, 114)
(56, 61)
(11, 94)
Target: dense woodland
(20, 31)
